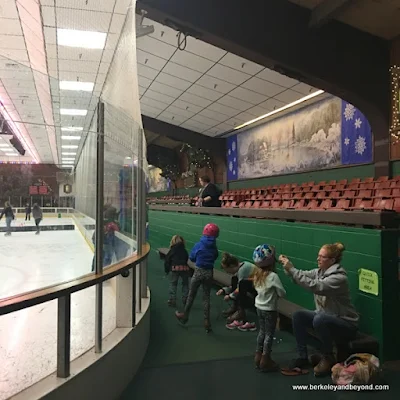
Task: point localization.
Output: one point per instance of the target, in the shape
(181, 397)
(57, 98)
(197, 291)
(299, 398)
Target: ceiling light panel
(72, 129)
(77, 86)
(82, 39)
(71, 137)
(69, 146)
(72, 111)
(68, 153)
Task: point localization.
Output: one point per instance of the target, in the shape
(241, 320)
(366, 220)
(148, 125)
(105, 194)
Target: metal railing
(62, 292)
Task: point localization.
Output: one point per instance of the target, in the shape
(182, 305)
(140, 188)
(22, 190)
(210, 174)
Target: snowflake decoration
(349, 111)
(347, 141)
(234, 160)
(233, 146)
(358, 123)
(229, 152)
(360, 145)
(230, 166)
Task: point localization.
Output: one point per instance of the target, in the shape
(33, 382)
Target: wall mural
(311, 138)
(156, 183)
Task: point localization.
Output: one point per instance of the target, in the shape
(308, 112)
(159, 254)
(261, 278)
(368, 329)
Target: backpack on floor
(358, 369)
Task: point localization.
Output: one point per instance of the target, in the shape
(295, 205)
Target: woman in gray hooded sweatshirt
(335, 318)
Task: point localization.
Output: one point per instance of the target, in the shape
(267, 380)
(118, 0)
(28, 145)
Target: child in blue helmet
(269, 288)
(203, 254)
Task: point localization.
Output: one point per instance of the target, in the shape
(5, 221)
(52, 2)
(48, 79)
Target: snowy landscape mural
(308, 139)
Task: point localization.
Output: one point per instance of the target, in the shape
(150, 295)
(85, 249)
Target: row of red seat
(185, 197)
(321, 186)
(323, 194)
(338, 204)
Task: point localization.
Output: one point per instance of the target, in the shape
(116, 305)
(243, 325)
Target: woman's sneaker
(234, 325)
(248, 327)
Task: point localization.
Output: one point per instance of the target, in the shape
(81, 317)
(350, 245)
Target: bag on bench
(358, 369)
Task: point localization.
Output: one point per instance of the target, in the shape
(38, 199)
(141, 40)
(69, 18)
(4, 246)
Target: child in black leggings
(204, 254)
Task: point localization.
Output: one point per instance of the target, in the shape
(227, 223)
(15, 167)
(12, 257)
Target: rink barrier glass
(62, 292)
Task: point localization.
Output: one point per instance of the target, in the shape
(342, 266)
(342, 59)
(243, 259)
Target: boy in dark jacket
(9, 213)
(204, 254)
(176, 262)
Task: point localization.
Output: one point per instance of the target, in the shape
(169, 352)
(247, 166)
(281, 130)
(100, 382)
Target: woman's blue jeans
(329, 329)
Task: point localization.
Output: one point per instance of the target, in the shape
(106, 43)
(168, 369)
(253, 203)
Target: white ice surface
(28, 337)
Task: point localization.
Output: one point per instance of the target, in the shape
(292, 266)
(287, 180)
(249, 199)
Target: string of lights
(395, 111)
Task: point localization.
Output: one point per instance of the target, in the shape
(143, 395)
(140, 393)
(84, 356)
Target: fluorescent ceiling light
(66, 166)
(72, 111)
(68, 154)
(70, 137)
(69, 146)
(68, 162)
(72, 129)
(68, 159)
(308, 97)
(11, 154)
(4, 145)
(74, 85)
(83, 39)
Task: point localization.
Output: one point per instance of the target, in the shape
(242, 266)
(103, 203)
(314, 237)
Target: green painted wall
(158, 194)
(365, 248)
(316, 176)
(395, 168)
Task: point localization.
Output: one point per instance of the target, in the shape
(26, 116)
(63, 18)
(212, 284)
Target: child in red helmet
(203, 254)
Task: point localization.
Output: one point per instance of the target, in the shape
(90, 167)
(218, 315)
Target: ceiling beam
(326, 11)
(214, 145)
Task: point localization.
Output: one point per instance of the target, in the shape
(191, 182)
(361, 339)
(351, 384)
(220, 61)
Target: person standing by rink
(8, 212)
(28, 211)
(37, 215)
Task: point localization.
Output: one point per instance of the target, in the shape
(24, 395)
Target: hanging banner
(368, 281)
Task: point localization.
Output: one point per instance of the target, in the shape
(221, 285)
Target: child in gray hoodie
(335, 318)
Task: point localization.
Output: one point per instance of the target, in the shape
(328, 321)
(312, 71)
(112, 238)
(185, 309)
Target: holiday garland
(197, 158)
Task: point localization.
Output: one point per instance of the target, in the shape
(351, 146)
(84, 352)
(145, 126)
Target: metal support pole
(139, 213)
(133, 272)
(63, 336)
(99, 225)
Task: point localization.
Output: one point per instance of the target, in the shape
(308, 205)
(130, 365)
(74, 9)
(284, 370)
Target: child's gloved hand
(220, 292)
(227, 298)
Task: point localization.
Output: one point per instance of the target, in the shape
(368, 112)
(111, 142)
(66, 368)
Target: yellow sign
(368, 281)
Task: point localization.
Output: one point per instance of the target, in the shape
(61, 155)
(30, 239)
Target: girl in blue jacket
(203, 254)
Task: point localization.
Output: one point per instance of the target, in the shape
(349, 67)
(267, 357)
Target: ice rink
(28, 337)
